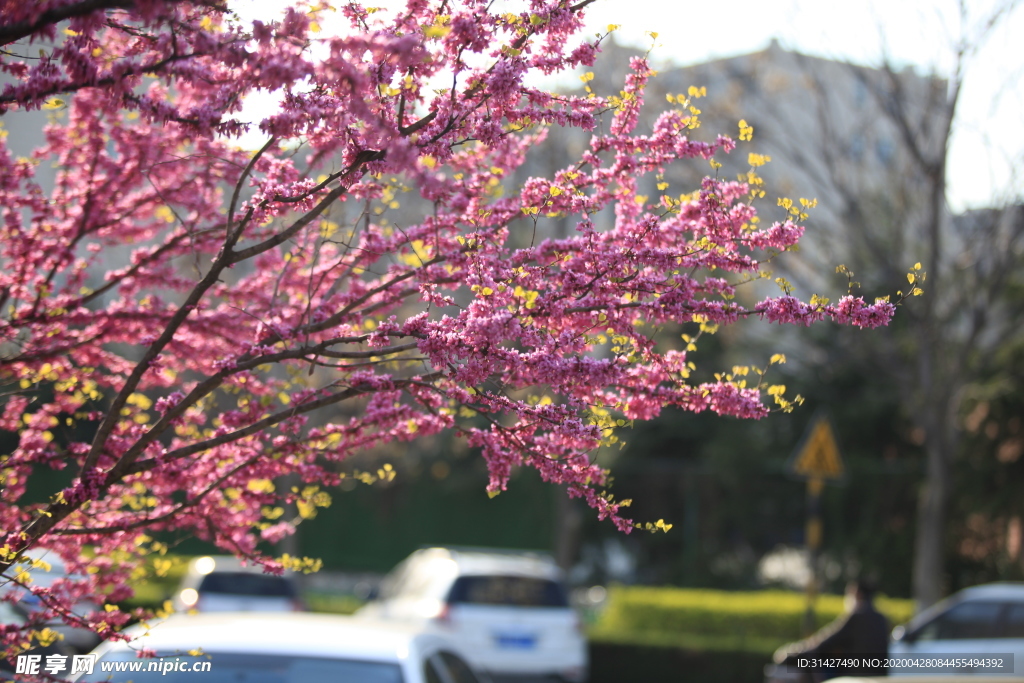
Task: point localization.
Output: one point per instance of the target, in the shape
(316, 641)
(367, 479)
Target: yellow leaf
(306, 510)
(164, 213)
(140, 400)
(47, 636)
(272, 513)
(260, 486)
(746, 130)
(437, 31)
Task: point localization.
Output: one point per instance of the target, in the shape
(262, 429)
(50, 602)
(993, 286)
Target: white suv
(508, 610)
(224, 584)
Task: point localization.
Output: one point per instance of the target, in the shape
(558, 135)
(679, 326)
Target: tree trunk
(939, 419)
(930, 537)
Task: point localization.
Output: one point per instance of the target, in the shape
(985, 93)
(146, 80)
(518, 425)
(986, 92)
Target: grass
(708, 620)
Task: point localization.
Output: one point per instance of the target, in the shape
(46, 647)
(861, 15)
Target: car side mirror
(900, 634)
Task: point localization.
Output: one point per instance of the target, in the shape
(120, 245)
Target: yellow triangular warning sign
(819, 455)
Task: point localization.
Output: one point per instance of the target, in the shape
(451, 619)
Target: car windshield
(224, 667)
(517, 591)
(968, 620)
(247, 583)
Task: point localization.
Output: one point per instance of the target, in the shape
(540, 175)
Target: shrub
(718, 620)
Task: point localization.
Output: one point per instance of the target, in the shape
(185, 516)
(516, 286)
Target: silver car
(977, 623)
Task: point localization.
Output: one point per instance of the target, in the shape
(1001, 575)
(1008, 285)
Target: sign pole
(815, 485)
(816, 459)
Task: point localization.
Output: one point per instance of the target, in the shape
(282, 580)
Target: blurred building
(826, 125)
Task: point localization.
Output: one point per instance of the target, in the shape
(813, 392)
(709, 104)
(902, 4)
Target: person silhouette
(860, 636)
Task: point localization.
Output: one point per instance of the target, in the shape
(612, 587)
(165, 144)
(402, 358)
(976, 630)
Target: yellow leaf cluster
(306, 565)
(660, 525)
(746, 131)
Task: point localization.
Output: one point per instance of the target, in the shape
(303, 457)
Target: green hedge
(718, 620)
(152, 590)
(332, 603)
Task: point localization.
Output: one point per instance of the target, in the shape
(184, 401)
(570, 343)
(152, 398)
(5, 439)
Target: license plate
(515, 641)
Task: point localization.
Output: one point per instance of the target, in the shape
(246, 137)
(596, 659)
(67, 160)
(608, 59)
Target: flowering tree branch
(266, 288)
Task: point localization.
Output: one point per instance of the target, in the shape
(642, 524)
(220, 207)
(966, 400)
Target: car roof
(1006, 590)
(484, 562)
(997, 591)
(301, 634)
(230, 563)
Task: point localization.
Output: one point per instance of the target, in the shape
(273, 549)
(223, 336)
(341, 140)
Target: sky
(988, 143)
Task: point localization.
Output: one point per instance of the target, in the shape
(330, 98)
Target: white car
(981, 622)
(509, 611)
(76, 638)
(279, 648)
(224, 584)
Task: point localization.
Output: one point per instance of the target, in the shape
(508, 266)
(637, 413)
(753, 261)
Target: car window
(1014, 624)
(245, 668)
(246, 583)
(415, 585)
(519, 591)
(966, 620)
(448, 667)
(393, 584)
(431, 673)
(458, 670)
